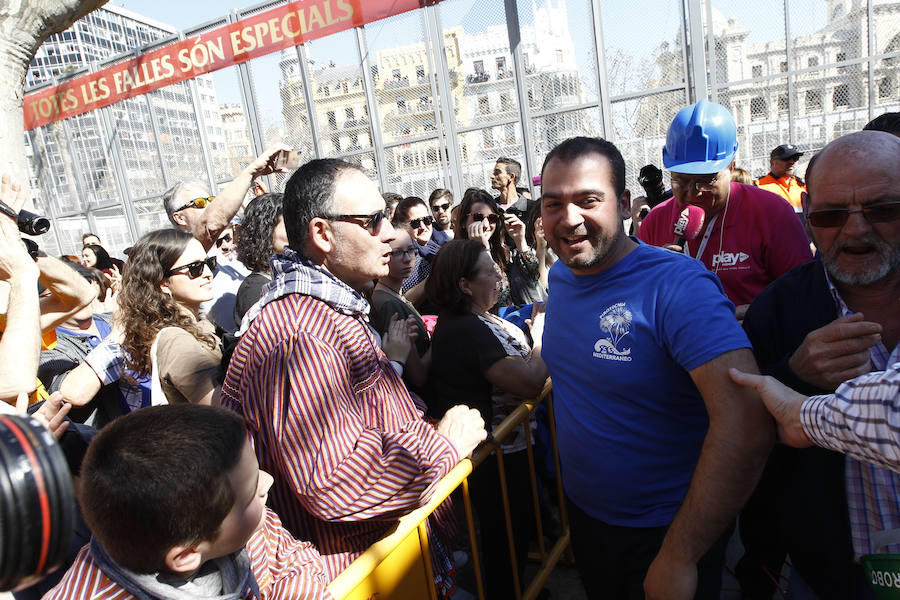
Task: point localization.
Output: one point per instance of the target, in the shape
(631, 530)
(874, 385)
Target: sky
(628, 27)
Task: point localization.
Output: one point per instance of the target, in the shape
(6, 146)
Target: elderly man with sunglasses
(825, 322)
(331, 419)
(190, 207)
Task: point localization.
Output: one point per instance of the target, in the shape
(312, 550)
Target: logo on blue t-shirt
(615, 323)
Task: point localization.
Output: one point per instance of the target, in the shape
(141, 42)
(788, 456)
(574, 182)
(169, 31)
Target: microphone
(688, 223)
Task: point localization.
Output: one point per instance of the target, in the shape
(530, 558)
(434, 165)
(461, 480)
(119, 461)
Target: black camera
(37, 503)
(28, 222)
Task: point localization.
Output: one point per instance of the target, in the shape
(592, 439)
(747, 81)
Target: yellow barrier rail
(399, 565)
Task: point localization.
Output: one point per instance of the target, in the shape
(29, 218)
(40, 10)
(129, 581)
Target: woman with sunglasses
(168, 277)
(503, 235)
(487, 363)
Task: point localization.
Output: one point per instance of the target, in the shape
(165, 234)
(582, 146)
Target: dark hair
(456, 259)
(308, 194)
(254, 245)
(143, 307)
(401, 212)
(170, 197)
(534, 212)
(809, 169)
(513, 167)
(438, 194)
(888, 122)
(157, 478)
(87, 235)
(103, 261)
(574, 148)
(102, 282)
(390, 202)
(472, 196)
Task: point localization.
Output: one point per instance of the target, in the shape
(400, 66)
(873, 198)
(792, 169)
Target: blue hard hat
(702, 139)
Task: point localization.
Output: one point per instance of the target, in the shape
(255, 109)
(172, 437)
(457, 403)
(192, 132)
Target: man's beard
(888, 255)
(602, 245)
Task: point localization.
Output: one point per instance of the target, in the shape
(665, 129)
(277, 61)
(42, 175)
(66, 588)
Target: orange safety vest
(788, 187)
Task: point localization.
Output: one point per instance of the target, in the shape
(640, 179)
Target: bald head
(873, 148)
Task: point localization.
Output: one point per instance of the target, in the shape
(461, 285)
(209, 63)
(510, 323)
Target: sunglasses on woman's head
(491, 217)
(194, 269)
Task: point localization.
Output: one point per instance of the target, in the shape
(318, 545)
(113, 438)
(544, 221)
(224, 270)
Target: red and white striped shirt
(331, 420)
(285, 568)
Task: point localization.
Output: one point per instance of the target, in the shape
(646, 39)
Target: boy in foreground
(176, 502)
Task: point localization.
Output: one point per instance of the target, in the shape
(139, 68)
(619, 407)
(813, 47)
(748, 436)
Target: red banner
(275, 29)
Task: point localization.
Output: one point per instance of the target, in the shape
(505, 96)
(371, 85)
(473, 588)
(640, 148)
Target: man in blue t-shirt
(659, 448)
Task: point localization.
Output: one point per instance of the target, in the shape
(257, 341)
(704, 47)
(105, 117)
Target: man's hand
(265, 162)
(516, 229)
(464, 427)
(51, 414)
(780, 400)
(670, 579)
(740, 312)
(674, 248)
(11, 193)
(536, 322)
(14, 258)
(837, 352)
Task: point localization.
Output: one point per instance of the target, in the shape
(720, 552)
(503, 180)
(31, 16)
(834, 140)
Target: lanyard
(709, 228)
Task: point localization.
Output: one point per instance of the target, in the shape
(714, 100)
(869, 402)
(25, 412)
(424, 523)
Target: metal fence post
(791, 70)
(431, 56)
(694, 17)
(515, 45)
(105, 122)
(372, 103)
(606, 122)
(448, 115)
(870, 26)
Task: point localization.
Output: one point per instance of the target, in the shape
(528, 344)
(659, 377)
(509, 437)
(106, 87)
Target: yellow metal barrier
(399, 565)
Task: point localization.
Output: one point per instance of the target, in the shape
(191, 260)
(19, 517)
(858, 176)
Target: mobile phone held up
(288, 160)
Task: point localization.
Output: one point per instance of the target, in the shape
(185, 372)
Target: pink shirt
(762, 239)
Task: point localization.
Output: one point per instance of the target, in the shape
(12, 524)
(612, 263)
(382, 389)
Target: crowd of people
(274, 380)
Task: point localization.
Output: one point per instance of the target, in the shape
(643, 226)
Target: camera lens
(32, 224)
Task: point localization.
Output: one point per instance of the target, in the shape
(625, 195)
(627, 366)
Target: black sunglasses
(491, 217)
(440, 207)
(884, 212)
(222, 240)
(415, 223)
(194, 269)
(371, 223)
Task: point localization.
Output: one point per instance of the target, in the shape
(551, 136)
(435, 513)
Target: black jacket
(801, 502)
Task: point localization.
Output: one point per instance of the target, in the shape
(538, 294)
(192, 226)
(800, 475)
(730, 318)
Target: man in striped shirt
(330, 417)
(817, 326)
(860, 419)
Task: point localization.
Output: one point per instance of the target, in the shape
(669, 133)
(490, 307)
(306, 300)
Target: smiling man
(825, 322)
(331, 419)
(659, 448)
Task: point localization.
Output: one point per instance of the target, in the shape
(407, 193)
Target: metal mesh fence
(432, 97)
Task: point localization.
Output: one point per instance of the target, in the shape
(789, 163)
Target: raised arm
(741, 434)
(228, 202)
(69, 291)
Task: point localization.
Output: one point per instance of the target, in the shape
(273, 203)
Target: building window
(505, 102)
(757, 108)
(348, 113)
(783, 103)
(420, 71)
(501, 66)
(487, 137)
(841, 96)
(841, 57)
(479, 67)
(332, 121)
(783, 66)
(812, 61)
(757, 70)
(885, 88)
(484, 106)
(813, 100)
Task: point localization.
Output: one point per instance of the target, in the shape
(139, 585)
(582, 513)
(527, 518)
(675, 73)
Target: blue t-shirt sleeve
(699, 325)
